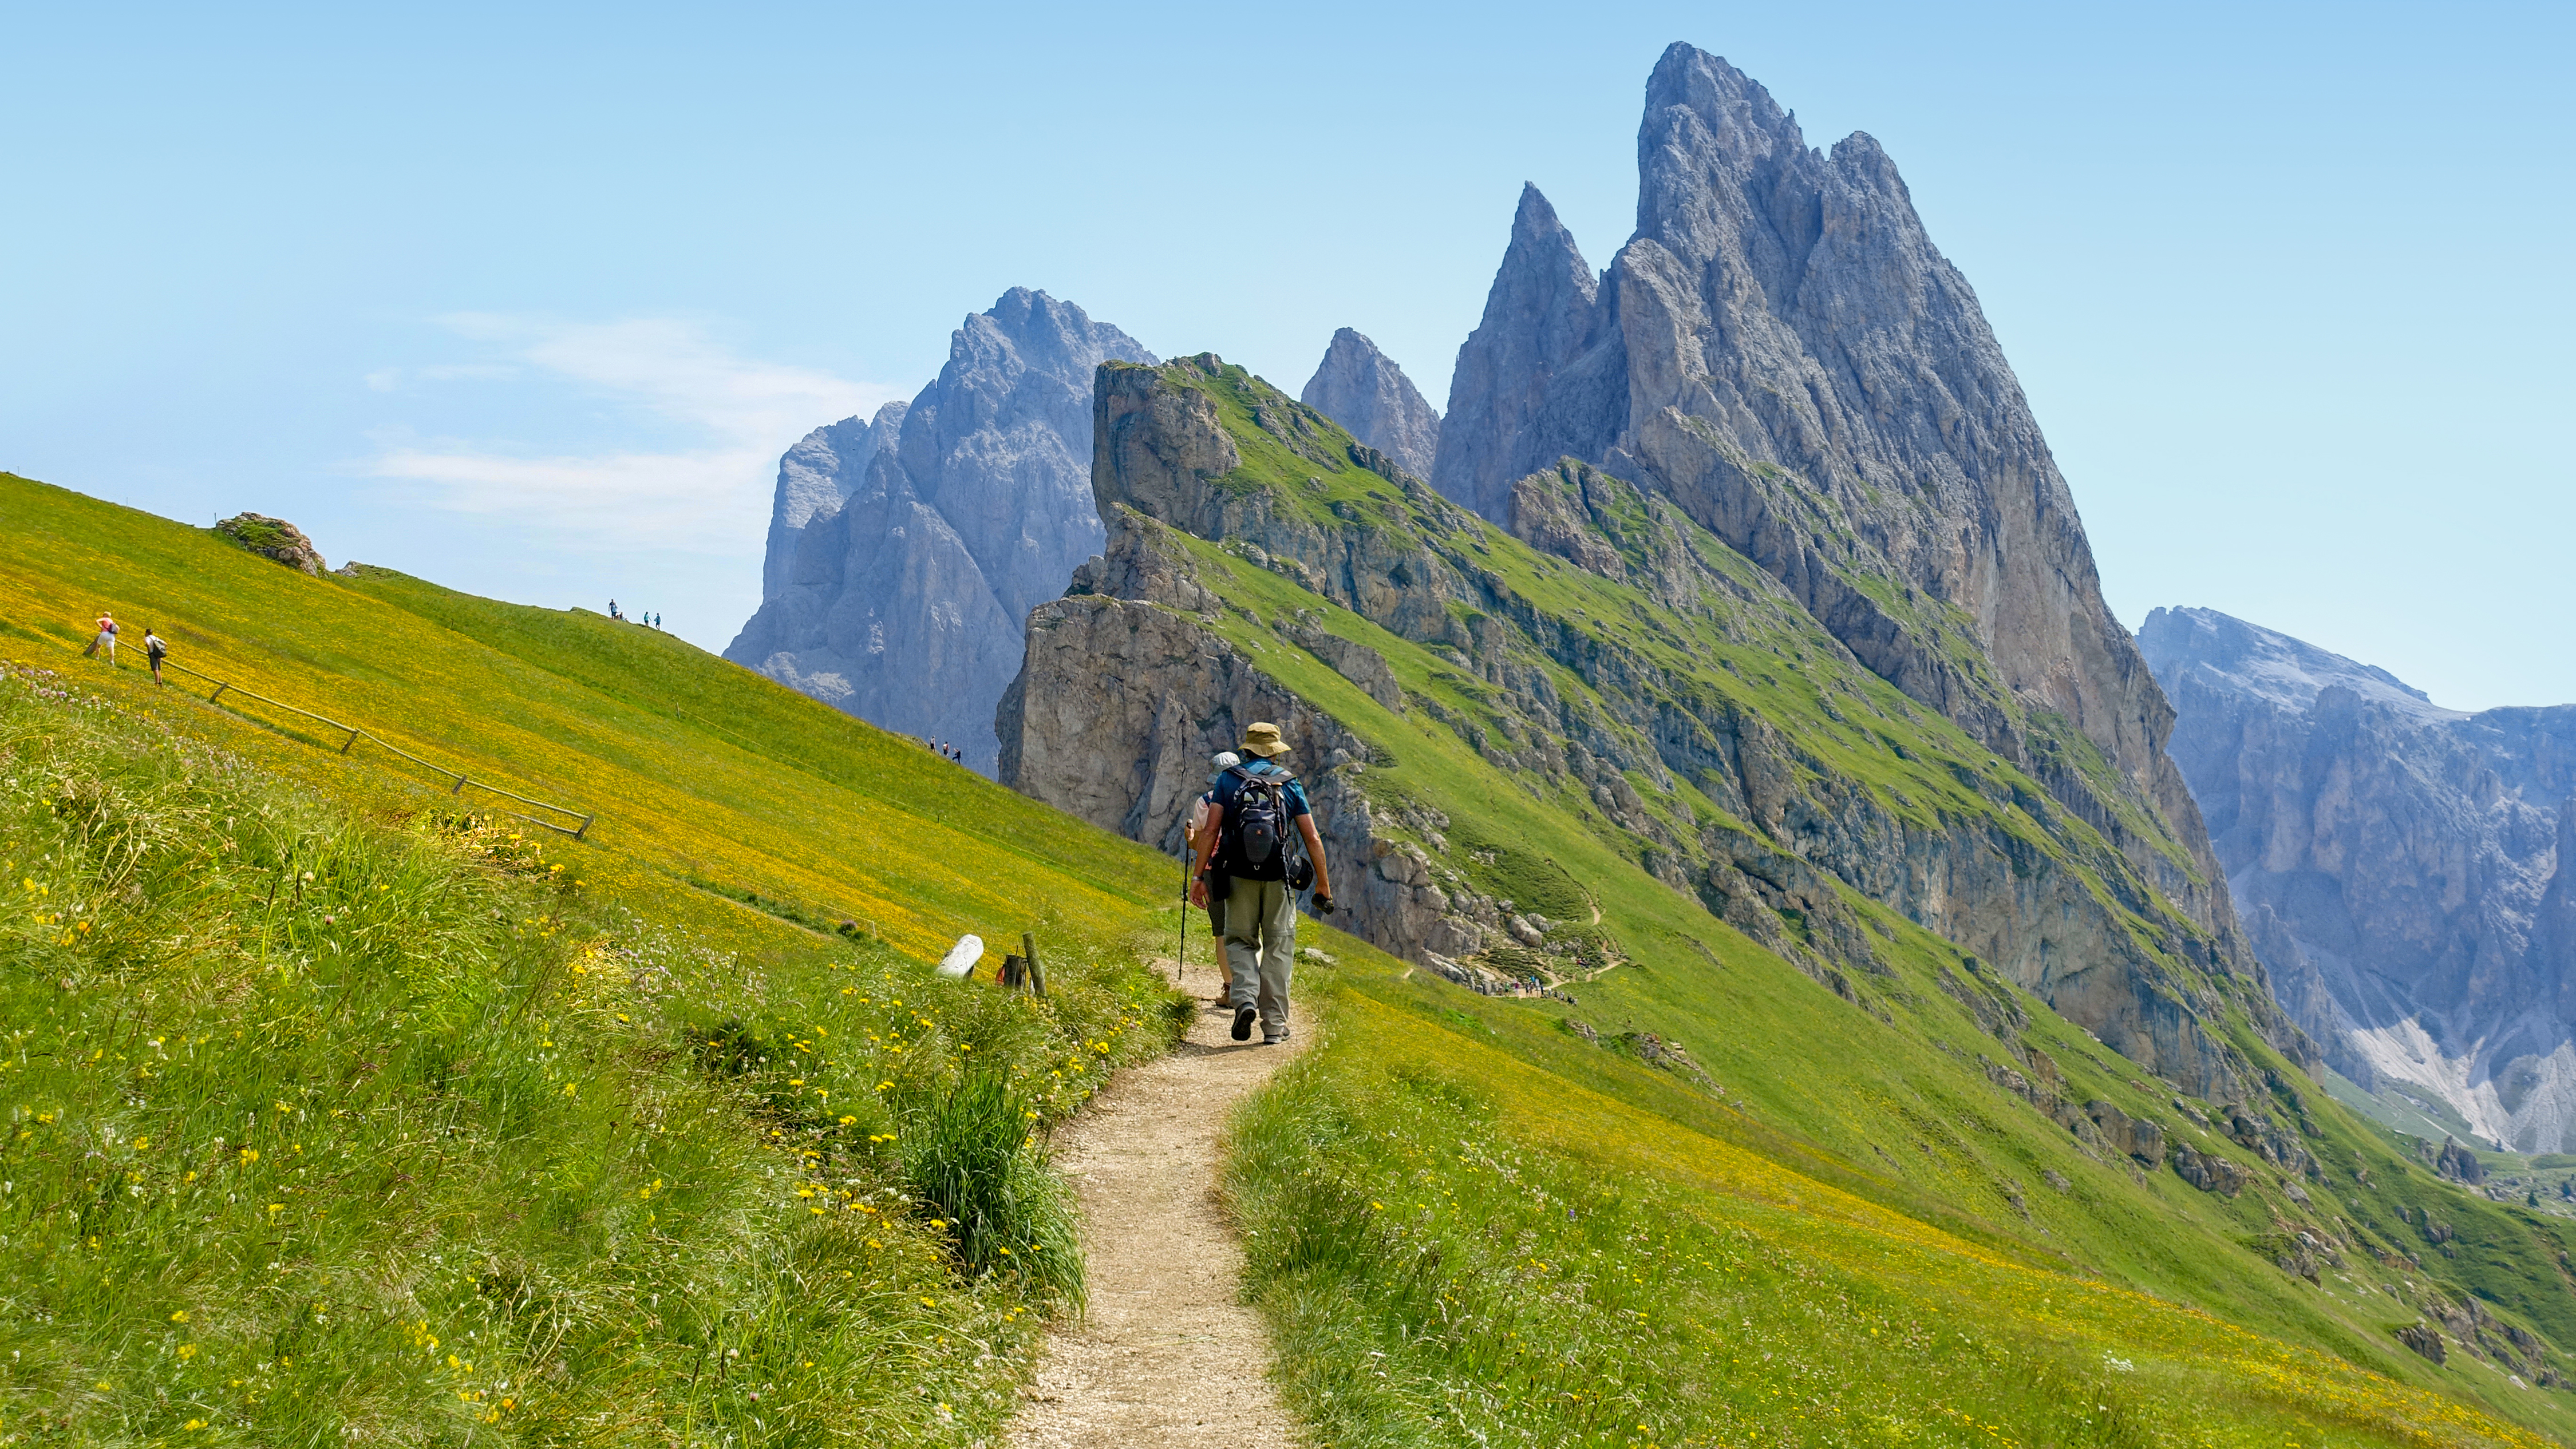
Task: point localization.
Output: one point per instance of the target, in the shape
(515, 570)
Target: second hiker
(1252, 865)
(1190, 833)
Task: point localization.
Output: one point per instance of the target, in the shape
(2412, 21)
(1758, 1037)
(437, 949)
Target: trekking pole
(1181, 944)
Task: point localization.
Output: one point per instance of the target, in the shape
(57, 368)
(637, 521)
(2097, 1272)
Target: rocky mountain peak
(1361, 388)
(905, 550)
(1782, 353)
(1541, 314)
(2284, 672)
(817, 476)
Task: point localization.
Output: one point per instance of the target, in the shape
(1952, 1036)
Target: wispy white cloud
(710, 495)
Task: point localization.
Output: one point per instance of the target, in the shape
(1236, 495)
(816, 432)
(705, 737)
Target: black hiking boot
(1244, 1016)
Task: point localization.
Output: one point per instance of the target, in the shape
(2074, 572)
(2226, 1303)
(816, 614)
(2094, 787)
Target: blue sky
(527, 299)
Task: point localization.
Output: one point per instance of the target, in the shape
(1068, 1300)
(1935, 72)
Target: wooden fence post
(1037, 973)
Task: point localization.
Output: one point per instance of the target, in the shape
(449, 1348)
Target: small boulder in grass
(960, 961)
(273, 538)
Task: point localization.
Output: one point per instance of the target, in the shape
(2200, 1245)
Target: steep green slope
(343, 1110)
(1835, 1050)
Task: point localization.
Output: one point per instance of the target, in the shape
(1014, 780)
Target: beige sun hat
(1262, 738)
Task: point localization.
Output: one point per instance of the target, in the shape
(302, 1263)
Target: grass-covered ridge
(338, 1114)
(1910, 1094)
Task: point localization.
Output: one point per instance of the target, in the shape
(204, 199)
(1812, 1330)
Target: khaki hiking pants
(1261, 950)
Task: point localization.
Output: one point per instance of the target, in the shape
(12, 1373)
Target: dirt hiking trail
(1168, 1354)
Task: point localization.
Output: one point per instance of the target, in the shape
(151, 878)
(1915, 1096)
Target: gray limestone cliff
(815, 478)
(1362, 389)
(1782, 352)
(906, 551)
(2402, 869)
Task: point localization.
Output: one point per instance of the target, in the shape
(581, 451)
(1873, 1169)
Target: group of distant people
(946, 751)
(155, 648)
(649, 621)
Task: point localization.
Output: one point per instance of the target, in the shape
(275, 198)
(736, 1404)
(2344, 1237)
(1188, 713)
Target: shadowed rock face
(2402, 868)
(905, 551)
(1362, 389)
(1782, 352)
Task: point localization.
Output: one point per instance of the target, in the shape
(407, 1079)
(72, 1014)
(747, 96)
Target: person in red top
(106, 639)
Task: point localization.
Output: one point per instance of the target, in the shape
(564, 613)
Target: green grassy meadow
(648, 1159)
(344, 1108)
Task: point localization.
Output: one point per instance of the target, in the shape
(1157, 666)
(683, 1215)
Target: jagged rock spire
(1781, 351)
(1361, 388)
(1540, 316)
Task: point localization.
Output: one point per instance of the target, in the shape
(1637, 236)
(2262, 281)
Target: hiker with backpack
(1248, 838)
(156, 649)
(1224, 760)
(106, 639)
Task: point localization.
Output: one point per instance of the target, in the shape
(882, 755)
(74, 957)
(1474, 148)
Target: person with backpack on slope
(156, 649)
(106, 639)
(1245, 839)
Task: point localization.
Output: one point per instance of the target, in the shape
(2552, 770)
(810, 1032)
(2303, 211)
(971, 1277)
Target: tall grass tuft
(971, 1161)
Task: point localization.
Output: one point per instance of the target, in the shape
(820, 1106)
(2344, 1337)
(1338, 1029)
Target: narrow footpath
(1168, 1354)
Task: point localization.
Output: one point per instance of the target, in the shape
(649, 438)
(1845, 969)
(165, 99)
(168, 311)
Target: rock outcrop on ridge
(1608, 658)
(2406, 872)
(274, 538)
(1781, 351)
(1362, 389)
(906, 551)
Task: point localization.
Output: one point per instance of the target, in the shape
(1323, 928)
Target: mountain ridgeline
(1746, 556)
(2404, 869)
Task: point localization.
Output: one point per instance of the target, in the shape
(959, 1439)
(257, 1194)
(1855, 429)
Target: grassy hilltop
(334, 1113)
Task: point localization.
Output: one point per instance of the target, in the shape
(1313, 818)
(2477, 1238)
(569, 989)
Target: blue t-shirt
(1230, 784)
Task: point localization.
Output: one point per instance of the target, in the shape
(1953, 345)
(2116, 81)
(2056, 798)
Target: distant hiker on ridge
(155, 648)
(1245, 840)
(106, 639)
